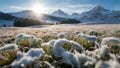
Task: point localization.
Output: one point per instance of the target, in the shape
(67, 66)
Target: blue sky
(49, 6)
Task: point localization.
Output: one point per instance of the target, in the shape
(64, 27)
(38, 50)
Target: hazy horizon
(48, 6)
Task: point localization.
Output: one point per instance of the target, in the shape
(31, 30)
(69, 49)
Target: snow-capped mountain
(23, 14)
(60, 13)
(41, 17)
(96, 15)
(99, 9)
(99, 15)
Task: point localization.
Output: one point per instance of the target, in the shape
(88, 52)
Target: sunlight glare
(38, 8)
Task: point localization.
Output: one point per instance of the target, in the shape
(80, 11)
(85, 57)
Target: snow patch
(87, 37)
(110, 41)
(30, 39)
(9, 47)
(24, 59)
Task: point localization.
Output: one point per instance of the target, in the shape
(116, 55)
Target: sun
(38, 8)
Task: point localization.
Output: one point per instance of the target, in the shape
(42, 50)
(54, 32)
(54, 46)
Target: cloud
(18, 7)
(80, 11)
(81, 6)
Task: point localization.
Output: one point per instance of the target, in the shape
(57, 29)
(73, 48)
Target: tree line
(30, 22)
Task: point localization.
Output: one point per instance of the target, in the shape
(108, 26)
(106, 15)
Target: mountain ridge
(97, 14)
(32, 15)
(60, 13)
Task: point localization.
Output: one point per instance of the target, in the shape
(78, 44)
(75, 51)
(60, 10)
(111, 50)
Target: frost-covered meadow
(60, 46)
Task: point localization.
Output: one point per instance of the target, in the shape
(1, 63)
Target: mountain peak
(99, 8)
(60, 13)
(59, 10)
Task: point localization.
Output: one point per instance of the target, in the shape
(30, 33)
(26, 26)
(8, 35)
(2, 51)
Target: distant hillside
(28, 14)
(6, 20)
(41, 17)
(5, 16)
